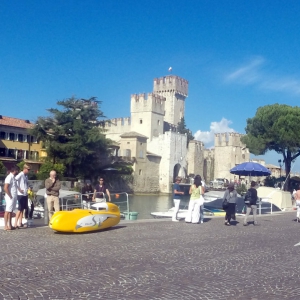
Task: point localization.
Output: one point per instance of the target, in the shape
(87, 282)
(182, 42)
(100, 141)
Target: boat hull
(85, 220)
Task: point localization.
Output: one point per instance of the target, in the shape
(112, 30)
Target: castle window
(128, 142)
(122, 122)
(140, 172)
(141, 154)
(141, 144)
(158, 122)
(141, 121)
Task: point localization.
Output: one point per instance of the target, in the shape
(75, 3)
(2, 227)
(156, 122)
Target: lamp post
(280, 165)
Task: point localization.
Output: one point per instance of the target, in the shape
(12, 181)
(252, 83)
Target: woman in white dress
(196, 200)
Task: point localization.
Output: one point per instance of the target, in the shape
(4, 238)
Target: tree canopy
(72, 136)
(275, 127)
(181, 128)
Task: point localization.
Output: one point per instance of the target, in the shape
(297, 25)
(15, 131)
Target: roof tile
(14, 122)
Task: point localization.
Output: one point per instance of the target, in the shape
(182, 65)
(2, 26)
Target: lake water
(145, 204)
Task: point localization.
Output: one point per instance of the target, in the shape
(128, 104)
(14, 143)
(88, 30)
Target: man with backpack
(250, 202)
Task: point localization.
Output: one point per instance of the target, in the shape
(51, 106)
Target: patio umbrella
(250, 169)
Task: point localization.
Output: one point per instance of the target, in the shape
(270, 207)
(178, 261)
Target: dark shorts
(23, 202)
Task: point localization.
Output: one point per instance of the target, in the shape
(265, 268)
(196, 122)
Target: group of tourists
(195, 212)
(16, 189)
(229, 204)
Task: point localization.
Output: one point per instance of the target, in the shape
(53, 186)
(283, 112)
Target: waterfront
(145, 204)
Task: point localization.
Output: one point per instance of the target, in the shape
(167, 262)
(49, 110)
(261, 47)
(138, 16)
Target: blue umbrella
(250, 169)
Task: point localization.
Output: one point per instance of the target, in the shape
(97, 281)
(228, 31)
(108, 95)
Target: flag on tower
(170, 69)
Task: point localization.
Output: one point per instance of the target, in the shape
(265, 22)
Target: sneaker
(175, 220)
(225, 223)
(201, 221)
(228, 224)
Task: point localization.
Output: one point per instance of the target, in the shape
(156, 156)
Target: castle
(158, 152)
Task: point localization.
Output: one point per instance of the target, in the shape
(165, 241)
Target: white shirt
(22, 182)
(12, 185)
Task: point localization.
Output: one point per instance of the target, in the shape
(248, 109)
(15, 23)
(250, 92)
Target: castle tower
(147, 114)
(175, 90)
(229, 152)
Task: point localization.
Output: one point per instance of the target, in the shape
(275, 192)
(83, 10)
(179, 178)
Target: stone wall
(171, 146)
(195, 158)
(146, 177)
(229, 152)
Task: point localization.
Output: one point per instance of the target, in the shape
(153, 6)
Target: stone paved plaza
(155, 260)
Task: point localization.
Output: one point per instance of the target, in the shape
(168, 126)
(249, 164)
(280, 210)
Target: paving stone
(155, 260)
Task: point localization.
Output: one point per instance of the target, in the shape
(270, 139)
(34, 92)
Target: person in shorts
(22, 185)
(100, 191)
(11, 194)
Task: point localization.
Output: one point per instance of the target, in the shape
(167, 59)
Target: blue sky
(236, 55)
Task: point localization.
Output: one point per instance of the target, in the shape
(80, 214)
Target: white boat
(168, 214)
(208, 197)
(181, 213)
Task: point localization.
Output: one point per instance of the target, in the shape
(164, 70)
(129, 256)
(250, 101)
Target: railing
(120, 204)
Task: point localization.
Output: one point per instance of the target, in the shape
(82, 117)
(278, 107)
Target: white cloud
(255, 73)
(247, 74)
(207, 137)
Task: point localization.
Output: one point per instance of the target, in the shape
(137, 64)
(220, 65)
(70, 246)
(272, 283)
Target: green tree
(181, 128)
(49, 166)
(275, 127)
(72, 136)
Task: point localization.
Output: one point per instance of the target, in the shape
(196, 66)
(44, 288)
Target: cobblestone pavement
(155, 260)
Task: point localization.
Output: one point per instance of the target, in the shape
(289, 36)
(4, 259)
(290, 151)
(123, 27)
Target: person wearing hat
(230, 197)
(22, 187)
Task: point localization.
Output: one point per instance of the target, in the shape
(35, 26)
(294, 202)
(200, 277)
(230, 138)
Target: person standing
(230, 196)
(196, 201)
(22, 184)
(52, 185)
(100, 191)
(11, 195)
(177, 194)
(250, 201)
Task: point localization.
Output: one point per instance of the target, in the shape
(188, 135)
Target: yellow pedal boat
(84, 220)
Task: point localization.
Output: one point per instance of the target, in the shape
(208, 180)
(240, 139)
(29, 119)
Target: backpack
(248, 197)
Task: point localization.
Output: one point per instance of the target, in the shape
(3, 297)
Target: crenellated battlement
(228, 139)
(117, 122)
(171, 83)
(147, 103)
